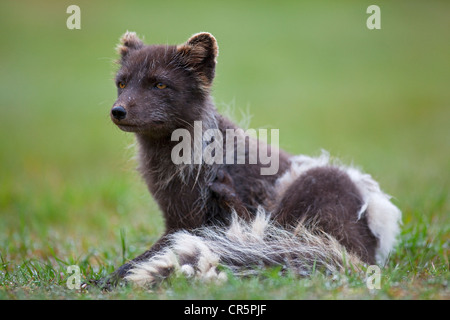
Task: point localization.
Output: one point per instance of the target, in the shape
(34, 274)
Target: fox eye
(160, 85)
(121, 85)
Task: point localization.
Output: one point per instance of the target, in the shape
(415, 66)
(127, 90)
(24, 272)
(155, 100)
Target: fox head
(162, 87)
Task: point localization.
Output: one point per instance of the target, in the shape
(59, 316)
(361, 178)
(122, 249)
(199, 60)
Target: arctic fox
(311, 213)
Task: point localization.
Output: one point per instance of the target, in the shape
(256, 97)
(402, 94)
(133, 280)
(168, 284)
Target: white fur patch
(243, 248)
(383, 217)
(184, 247)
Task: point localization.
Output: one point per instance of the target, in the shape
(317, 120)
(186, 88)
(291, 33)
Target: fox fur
(313, 213)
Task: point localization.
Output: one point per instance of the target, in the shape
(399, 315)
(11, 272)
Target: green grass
(69, 193)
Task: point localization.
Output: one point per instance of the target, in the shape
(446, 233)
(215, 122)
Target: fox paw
(222, 187)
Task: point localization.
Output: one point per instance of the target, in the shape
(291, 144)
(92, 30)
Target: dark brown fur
(327, 199)
(326, 196)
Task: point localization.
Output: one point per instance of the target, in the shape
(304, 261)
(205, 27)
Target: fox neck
(167, 181)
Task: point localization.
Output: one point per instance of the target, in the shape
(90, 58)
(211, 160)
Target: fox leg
(326, 199)
(115, 278)
(224, 193)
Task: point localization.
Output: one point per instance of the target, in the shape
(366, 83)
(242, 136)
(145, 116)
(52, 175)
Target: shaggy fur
(378, 213)
(244, 248)
(311, 214)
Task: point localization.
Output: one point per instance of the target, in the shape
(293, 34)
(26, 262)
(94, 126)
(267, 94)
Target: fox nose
(119, 112)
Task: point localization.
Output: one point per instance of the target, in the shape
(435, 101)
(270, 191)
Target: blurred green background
(377, 98)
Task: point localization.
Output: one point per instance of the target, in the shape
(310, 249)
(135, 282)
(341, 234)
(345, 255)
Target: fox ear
(129, 41)
(200, 53)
